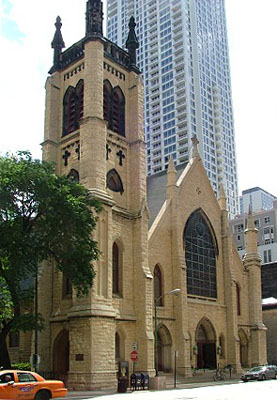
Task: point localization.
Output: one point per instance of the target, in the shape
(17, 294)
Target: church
(168, 265)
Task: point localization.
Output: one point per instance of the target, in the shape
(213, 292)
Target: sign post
(134, 358)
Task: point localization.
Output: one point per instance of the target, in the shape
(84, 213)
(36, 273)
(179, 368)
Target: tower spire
(132, 43)
(94, 18)
(57, 44)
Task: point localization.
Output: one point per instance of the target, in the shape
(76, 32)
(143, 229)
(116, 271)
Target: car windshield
(256, 369)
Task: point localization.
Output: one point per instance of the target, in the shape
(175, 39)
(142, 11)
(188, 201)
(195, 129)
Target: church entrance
(206, 344)
(243, 348)
(61, 356)
(164, 349)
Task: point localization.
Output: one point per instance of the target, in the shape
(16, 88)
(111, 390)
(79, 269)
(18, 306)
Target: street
(264, 390)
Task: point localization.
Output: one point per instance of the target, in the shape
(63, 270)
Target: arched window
(73, 107)
(114, 108)
(117, 267)
(114, 181)
(69, 111)
(118, 111)
(238, 298)
(80, 99)
(200, 253)
(158, 285)
(107, 92)
(74, 175)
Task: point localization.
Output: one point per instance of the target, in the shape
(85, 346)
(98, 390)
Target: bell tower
(94, 133)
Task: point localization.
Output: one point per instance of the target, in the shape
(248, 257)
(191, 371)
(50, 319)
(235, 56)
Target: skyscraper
(183, 56)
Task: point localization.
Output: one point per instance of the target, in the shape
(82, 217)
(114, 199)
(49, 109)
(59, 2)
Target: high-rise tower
(183, 55)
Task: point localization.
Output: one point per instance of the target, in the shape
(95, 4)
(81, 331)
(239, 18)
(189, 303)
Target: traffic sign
(134, 355)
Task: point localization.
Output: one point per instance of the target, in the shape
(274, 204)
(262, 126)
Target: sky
(26, 32)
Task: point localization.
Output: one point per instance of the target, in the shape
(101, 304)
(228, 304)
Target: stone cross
(121, 156)
(66, 157)
(77, 151)
(108, 150)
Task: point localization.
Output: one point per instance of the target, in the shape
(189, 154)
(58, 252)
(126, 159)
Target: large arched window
(73, 107)
(114, 108)
(200, 253)
(158, 285)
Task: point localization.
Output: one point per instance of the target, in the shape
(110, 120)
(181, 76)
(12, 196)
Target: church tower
(94, 133)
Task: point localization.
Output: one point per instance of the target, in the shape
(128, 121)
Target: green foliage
(42, 216)
(6, 305)
(22, 366)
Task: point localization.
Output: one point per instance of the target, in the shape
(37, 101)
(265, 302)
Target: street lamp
(175, 292)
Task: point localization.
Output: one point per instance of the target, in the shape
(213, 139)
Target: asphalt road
(265, 390)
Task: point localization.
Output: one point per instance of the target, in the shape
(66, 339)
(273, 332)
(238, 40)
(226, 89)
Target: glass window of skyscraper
(183, 56)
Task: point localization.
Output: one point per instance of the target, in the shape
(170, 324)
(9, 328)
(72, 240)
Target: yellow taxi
(21, 385)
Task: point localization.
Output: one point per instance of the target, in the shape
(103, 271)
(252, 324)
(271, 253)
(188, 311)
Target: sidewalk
(204, 379)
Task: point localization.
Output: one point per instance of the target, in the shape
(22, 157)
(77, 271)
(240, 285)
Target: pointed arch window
(73, 107)
(158, 285)
(114, 108)
(69, 111)
(74, 175)
(107, 92)
(200, 253)
(114, 181)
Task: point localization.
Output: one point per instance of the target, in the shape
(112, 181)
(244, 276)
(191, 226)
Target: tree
(42, 216)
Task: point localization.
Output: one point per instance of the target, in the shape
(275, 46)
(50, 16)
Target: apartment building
(266, 223)
(183, 56)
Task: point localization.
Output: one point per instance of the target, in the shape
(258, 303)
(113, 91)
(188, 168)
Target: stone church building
(155, 235)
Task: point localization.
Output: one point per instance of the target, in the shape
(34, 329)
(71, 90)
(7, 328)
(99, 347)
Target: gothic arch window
(114, 108)
(117, 262)
(74, 175)
(80, 99)
(158, 285)
(107, 93)
(200, 253)
(118, 111)
(114, 181)
(73, 107)
(69, 111)
(238, 299)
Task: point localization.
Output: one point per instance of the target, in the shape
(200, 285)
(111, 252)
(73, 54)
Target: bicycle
(219, 375)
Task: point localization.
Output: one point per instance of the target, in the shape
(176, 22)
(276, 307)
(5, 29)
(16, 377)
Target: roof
(156, 190)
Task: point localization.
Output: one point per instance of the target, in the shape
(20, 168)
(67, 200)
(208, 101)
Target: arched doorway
(243, 348)
(206, 343)
(164, 349)
(61, 355)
